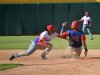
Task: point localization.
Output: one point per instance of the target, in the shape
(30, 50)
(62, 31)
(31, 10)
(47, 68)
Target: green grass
(15, 42)
(22, 42)
(8, 66)
(91, 44)
(95, 43)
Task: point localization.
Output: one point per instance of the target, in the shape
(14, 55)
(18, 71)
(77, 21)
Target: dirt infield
(58, 63)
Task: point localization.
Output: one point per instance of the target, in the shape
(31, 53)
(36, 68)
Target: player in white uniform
(87, 24)
(41, 42)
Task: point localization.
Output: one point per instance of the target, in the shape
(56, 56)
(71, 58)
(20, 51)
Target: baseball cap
(51, 28)
(75, 25)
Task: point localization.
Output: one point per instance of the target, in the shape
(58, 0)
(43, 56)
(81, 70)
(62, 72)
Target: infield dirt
(58, 63)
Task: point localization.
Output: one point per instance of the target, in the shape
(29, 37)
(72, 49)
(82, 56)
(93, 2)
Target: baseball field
(58, 62)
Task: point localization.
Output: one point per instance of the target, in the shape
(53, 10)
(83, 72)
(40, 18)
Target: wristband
(62, 28)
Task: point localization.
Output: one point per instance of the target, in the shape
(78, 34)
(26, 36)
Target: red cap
(75, 25)
(51, 28)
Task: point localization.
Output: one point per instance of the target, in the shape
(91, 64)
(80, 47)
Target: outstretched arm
(90, 23)
(62, 29)
(62, 33)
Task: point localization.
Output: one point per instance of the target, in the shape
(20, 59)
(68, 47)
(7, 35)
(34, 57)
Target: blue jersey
(75, 38)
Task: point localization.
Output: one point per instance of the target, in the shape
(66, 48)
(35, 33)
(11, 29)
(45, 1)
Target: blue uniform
(75, 37)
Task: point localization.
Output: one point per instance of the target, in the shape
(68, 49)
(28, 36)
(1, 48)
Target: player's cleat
(43, 58)
(91, 39)
(12, 57)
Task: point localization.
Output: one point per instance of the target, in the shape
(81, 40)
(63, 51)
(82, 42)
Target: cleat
(12, 57)
(91, 39)
(43, 58)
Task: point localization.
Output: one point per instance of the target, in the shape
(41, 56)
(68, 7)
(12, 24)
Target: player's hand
(64, 24)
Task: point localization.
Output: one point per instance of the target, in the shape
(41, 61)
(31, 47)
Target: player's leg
(78, 51)
(46, 51)
(75, 52)
(32, 48)
(84, 28)
(71, 51)
(90, 34)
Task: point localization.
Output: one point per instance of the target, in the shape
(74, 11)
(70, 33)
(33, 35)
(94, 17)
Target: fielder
(41, 42)
(76, 39)
(87, 24)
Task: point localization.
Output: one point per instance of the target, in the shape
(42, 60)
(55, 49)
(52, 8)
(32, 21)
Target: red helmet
(75, 25)
(51, 28)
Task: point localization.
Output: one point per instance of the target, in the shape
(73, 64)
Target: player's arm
(62, 33)
(83, 38)
(62, 29)
(81, 20)
(89, 22)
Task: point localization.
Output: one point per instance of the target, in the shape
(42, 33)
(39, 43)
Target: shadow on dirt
(94, 57)
(65, 57)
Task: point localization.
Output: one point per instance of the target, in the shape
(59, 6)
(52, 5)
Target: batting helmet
(51, 28)
(75, 25)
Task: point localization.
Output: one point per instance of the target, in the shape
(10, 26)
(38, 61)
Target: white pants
(88, 29)
(33, 47)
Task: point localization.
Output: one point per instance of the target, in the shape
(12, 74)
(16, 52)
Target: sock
(16, 55)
